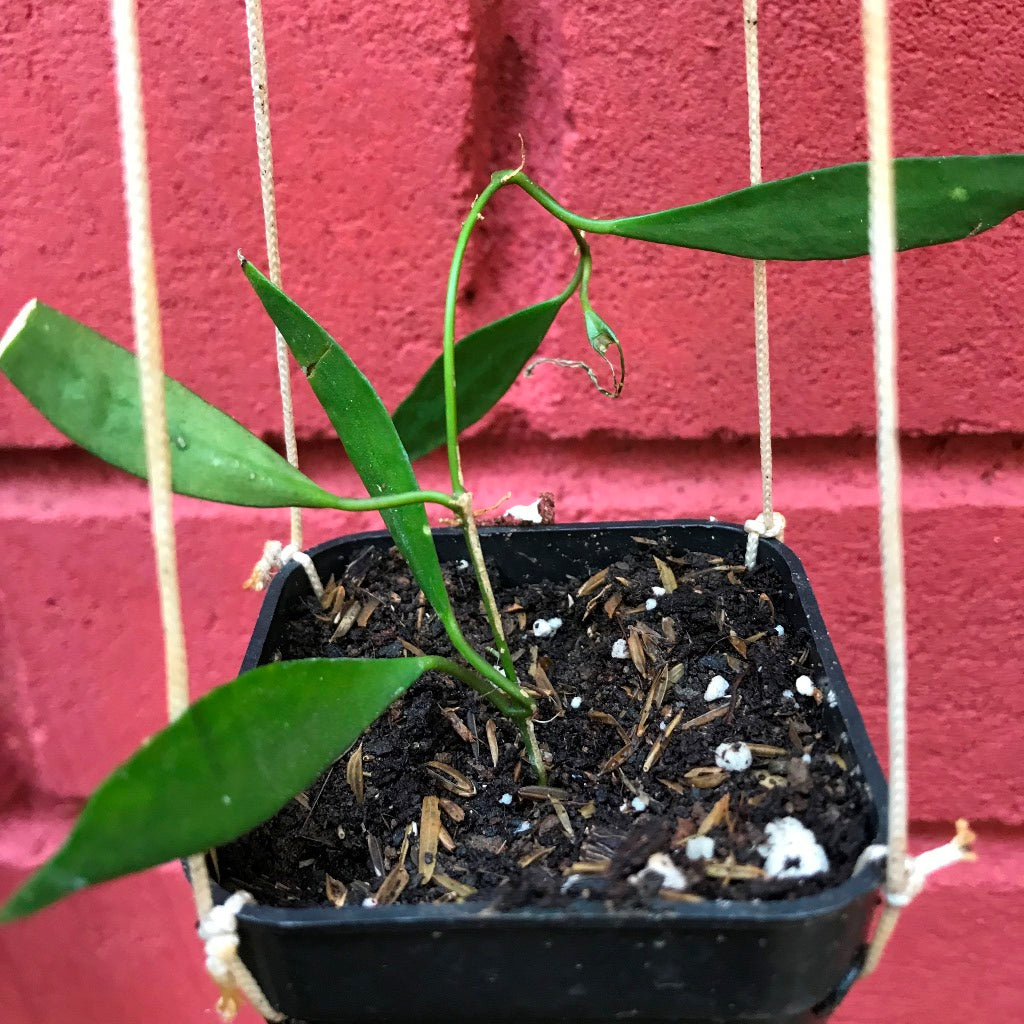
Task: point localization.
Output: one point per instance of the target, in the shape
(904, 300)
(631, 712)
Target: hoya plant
(239, 753)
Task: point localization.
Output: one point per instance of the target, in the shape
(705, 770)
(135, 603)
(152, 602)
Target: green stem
(482, 686)
(397, 501)
(451, 298)
(573, 220)
(483, 580)
(523, 719)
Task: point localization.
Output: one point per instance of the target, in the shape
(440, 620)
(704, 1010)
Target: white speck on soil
(620, 650)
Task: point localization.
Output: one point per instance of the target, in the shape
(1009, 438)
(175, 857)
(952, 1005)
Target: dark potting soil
(630, 741)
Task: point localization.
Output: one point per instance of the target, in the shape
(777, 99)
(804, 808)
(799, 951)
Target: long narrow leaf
(487, 362)
(229, 763)
(88, 388)
(822, 215)
(365, 429)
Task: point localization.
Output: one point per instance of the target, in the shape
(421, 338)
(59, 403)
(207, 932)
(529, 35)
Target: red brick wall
(387, 120)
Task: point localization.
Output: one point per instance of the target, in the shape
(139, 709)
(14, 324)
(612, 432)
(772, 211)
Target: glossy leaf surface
(230, 762)
(88, 388)
(364, 427)
(487, 362)
(822, 215)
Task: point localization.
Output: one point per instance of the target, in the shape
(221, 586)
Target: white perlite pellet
(526, 513)
(661, 864)
(717, 688)
(791, 850)
(700, 848)
(620, 649)
(546, 627)
(805, 686)
(733, 757)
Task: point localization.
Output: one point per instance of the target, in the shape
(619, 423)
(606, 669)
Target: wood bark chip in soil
(630, 742)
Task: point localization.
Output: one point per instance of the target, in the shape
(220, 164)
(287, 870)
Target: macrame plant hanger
(905, 876)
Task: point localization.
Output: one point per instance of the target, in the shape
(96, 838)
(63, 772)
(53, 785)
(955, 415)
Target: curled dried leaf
(538, 853)
(611, 606)
(430, 828)
(445, 840)
(458, 889)
(337, 892)
(595, 581)
(354, 773)
(767, 750)
(587, 867)
(452, 809)
(451, 778)
(458, 725)
(542, 793)
(492, 740)
(370, 605)
(619, 758)
(635, 645)
(393, 886)
(733, 872)
(739, 645)
(347, 620)
(667, 576)
(708, 716)
(706, 777)
(563, 817)
(415, 651)
(376, 856)
(715, 817)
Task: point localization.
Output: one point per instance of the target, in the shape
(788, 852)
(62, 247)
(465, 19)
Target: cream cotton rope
(261, 110)
(904, 876)
(218, 925)
(769, 523)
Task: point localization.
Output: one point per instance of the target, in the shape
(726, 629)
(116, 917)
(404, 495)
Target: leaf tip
(241, 258)
(17, 324)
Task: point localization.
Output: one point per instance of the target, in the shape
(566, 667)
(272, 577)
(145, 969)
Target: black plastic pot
(786, 962)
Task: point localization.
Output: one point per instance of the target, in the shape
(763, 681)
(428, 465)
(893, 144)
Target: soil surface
(631, 743)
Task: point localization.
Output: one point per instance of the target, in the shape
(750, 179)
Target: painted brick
(950, 952)
(656, 102)
(393, 81)
(447, 96)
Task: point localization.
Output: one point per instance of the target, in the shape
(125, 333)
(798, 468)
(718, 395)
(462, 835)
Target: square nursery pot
(772, 962)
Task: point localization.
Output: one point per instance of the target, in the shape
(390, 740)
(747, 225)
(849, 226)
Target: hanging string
(904, 876)
(769, 523)
(261, 109)
(146, 321)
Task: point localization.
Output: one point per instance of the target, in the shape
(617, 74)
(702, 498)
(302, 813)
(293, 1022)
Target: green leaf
(88, 388)
(365, 429)
(229, 763)
(487, 362)
(822, 215)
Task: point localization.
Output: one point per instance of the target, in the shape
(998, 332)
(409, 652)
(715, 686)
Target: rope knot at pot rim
(218, 929)
(757, 528)
(274, 558)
